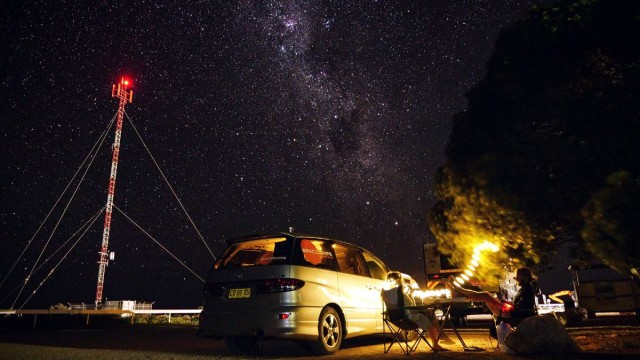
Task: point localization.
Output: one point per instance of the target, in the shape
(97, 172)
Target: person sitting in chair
(523, 305)
(417, 316)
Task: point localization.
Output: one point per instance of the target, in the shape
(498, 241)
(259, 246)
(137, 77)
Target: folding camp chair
(398, 325)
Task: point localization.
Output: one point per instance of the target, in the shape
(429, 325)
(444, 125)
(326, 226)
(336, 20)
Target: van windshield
(260, 252)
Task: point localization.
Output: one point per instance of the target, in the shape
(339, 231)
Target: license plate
(242, 293)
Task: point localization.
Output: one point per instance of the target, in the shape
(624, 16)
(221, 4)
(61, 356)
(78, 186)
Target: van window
(349, 260)
(260, 252)
(315, 253)
(376, 268)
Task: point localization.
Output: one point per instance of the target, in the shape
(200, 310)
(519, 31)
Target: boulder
(540, 334)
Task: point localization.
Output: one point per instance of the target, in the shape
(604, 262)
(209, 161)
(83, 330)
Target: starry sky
(329, 117)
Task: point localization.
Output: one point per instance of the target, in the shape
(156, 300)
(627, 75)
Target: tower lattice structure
(123, 92)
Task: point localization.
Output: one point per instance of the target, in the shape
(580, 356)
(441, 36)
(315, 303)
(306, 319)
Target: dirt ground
(178, 343)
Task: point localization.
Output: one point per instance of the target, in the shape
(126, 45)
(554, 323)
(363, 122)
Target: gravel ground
(177, 343)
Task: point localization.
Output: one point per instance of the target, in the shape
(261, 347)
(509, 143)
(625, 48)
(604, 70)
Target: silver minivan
(293, 287)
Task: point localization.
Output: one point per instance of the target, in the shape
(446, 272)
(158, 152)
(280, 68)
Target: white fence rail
(122, 313)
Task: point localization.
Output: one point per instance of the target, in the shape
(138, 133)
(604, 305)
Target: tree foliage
(555, 115)
(612, 222)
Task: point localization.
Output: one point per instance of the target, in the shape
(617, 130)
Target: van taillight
(279, 285)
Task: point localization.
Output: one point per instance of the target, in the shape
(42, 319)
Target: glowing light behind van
(475, 261)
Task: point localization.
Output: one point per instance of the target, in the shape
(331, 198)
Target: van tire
(241, 344)
(330, 333)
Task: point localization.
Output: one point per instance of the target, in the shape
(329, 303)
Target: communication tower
(123, 92)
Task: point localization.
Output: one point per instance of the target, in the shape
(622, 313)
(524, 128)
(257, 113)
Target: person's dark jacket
(524, 302)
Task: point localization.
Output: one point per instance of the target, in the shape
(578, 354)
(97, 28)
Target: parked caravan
(600, 289)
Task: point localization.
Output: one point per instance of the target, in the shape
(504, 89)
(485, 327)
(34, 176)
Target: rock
(541, 334)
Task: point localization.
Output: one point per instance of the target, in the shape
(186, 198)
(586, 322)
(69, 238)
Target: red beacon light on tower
(121, 90)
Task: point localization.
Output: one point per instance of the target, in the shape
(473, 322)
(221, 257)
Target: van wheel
(241, 344)
(329, 333)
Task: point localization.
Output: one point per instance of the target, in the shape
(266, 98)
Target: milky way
(329, 117)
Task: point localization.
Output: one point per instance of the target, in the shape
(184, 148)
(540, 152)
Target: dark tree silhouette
(611, 223)
(557, 113)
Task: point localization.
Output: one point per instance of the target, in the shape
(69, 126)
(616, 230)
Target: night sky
(329, 117)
